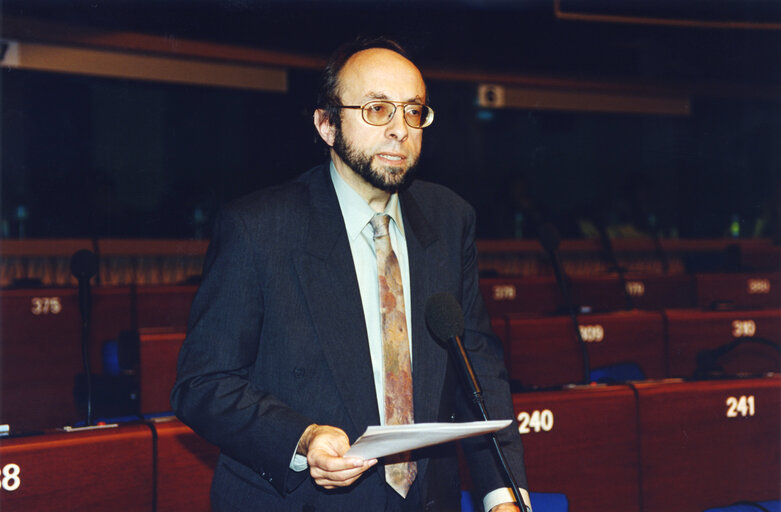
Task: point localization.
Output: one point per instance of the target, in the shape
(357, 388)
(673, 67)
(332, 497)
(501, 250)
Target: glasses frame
(395, 104)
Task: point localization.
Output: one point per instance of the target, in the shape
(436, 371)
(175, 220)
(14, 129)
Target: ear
(324, 127)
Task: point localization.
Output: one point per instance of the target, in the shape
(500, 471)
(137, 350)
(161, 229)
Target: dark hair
(328, 86)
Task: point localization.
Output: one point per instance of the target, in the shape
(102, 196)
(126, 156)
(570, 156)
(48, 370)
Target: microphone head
(84, 264)
(549, 237)
(444, 316)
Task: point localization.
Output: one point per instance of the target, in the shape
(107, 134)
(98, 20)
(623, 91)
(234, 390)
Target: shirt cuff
(505, 495)
(298, 462)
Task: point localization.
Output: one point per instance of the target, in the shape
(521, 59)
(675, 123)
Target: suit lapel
(429, 361)
(327, 274)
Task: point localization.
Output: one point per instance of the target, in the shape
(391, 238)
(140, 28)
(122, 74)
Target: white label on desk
(504, 292)
(11, 477)
(743, 328)
(46, 306)
(742, 405)
(592, 333)
(635, 288)
(537, 421)
(756, 286)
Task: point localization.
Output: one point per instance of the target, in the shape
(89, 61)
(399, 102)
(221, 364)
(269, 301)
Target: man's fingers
(325, 447)
(340, 478)
(332, 463)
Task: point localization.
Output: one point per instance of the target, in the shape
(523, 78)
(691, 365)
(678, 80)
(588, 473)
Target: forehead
(383, 74)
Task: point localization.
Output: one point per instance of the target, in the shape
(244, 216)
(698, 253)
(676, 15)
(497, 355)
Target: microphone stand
(83, 267)
(612, 259)
(85, 355)
(459, 354)
(549, 239)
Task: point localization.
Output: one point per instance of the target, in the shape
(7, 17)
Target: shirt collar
(356, 211)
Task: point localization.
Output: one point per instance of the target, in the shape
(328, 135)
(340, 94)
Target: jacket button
(299, 372)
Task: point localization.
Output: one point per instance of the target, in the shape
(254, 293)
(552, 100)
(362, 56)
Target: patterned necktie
(395, 351)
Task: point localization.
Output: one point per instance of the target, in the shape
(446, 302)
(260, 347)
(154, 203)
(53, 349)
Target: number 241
(743, 406)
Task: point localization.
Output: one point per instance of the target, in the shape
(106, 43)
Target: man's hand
(323, 447)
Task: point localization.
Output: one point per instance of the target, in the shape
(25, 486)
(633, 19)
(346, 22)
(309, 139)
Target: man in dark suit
(285, 361)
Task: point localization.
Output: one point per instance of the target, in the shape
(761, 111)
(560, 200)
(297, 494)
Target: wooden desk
(544, 351)
(164, 306)
(756, 290)
(99, 470)
(710, 443)
(41, 351)
(531, 295)
(157, 369)
(692, 331)
(582, 443)
(604, 293)
(541, 295)
(185, 465)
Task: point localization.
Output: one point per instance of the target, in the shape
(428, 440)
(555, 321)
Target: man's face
(383, 156)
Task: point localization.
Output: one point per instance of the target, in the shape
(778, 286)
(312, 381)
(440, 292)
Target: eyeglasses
(380, 113)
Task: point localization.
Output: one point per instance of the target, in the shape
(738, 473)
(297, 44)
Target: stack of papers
(380, 441)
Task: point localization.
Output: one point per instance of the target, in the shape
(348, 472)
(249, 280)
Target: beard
(387, 178)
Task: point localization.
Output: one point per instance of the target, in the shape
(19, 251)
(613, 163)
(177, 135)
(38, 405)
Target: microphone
(549, 238)
(84, 265)
(445, 320)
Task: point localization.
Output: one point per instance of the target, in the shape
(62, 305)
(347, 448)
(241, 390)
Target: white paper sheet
(379, 441)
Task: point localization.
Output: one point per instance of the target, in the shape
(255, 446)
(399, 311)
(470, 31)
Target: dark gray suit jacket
(277, 341)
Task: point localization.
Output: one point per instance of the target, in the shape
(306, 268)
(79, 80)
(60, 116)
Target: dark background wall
(95, 157)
